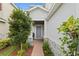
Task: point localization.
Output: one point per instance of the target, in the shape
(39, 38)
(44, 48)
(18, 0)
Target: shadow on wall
(55, 48)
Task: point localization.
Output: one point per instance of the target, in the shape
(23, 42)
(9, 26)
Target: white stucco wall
(38, 14)
(54, 22)
(6, 10)
(5, 13)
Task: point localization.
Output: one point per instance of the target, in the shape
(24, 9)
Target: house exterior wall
(38, 14)
(4, 14)
(54, 22)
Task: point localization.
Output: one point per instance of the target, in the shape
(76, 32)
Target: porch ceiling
(38, 22)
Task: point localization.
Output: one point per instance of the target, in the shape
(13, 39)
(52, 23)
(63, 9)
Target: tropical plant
(70, 39)
(20, 27)
(5, 43)
(46, 49)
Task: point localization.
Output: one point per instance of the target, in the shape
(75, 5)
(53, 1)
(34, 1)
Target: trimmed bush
(4, 43)
(46, 49)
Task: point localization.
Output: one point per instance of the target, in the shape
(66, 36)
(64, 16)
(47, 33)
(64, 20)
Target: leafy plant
(70, 39)
(21, 52)
(26, 46)
(20, 27)
(46, 49)
(4, 43)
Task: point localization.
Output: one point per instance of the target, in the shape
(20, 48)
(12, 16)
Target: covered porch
(38, 30)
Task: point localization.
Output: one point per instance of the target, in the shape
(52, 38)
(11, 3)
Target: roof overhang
(38, 19)
(13, 5)
(31, 9)
(53, 10)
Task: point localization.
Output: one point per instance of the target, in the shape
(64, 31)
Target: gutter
(53, 10)
(14, 5)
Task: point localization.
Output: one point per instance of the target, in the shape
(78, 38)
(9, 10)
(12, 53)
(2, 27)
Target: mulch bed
(14, 53)
(4, 49)
(28, 52)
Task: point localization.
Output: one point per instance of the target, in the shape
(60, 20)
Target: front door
(38, 32)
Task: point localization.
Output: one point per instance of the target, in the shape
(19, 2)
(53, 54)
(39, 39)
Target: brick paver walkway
(37, 50)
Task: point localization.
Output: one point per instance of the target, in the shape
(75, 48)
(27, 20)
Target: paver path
(37, 50)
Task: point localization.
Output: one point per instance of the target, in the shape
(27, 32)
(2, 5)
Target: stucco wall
(6, 10)
(5, 13)
(54, 22)
(38, 14)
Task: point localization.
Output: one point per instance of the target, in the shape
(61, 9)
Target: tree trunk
(21, 45)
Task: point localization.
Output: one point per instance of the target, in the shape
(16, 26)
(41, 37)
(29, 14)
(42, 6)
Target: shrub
(70, 36)
(21, 52)
(4, 43)
(20, 27)
(46, 49)
(28, 44)
(25, 46)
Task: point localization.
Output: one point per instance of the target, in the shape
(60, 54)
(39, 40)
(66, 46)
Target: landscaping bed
(7, 51)
(27, 52)
(12, 51)
(46, 49)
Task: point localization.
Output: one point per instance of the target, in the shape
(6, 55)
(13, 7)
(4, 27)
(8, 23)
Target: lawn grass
(8, 51)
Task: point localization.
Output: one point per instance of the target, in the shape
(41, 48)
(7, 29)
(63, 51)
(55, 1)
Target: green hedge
(4, 43)
(46, 49)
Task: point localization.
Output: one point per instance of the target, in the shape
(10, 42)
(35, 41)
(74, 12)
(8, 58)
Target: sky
(25, 6)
